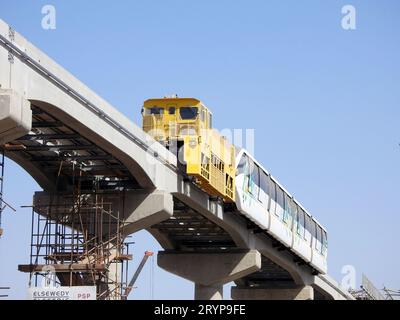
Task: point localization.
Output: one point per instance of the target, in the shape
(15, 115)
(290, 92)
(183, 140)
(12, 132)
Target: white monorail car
(266, 203)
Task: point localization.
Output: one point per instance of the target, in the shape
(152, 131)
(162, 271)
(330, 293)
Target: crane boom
(129, 288)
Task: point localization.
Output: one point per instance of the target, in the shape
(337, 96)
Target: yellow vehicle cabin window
(171, 110)
(155, 110)
(188, 113)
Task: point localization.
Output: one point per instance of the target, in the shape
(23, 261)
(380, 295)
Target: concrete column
(299, 293)
(210, 271)
(15, 116)
(212, 292)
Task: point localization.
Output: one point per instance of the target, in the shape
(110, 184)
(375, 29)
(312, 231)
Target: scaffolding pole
(2, 205)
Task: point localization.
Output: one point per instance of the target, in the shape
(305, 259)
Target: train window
(309, 226)
(203, 116)
(273, 196)
(155, 110)
(171, 110)
(254, 180)
(318, 237)
(301, 222)
(287, 214)
(294, 214)
(280, 202)
(188, 113)
(324, 242)
(264, 183)
(242, 166)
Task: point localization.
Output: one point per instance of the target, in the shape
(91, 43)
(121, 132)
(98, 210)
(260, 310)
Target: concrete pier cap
(15, 116)
(298, 293)
(210, 271)
(138, 209)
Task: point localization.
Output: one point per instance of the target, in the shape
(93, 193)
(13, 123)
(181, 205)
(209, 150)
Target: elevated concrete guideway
(49, 118)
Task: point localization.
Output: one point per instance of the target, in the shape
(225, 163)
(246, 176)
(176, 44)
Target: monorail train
(184, 125)
(265, 202)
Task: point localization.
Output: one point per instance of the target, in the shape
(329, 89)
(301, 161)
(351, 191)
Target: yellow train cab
(184, 126)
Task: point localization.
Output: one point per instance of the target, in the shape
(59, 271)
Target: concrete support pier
(212, 292)
(210, 271)
(299, 293)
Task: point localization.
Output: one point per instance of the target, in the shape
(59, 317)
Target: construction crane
(129, 288)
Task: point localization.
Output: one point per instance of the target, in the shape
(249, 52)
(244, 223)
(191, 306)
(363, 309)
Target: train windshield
(188, 113)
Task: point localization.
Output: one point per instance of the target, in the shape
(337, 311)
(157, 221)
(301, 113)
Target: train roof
(238, 150)
(156, 100)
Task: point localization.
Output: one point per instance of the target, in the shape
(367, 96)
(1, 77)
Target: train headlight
(192, 143)
(187, 131)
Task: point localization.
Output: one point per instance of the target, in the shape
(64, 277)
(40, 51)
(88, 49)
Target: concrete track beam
(298, 293)
(210, 271)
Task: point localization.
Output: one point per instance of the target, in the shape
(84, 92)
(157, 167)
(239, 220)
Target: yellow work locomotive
(184, 126)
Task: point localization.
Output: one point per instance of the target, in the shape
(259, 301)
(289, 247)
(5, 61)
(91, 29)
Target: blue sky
(323, 101)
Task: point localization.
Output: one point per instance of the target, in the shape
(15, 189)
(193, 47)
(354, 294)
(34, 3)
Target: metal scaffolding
(368, 291)
(2, 206)
(3, 203)
(79, 240)
(2, 292)
(391, 294)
